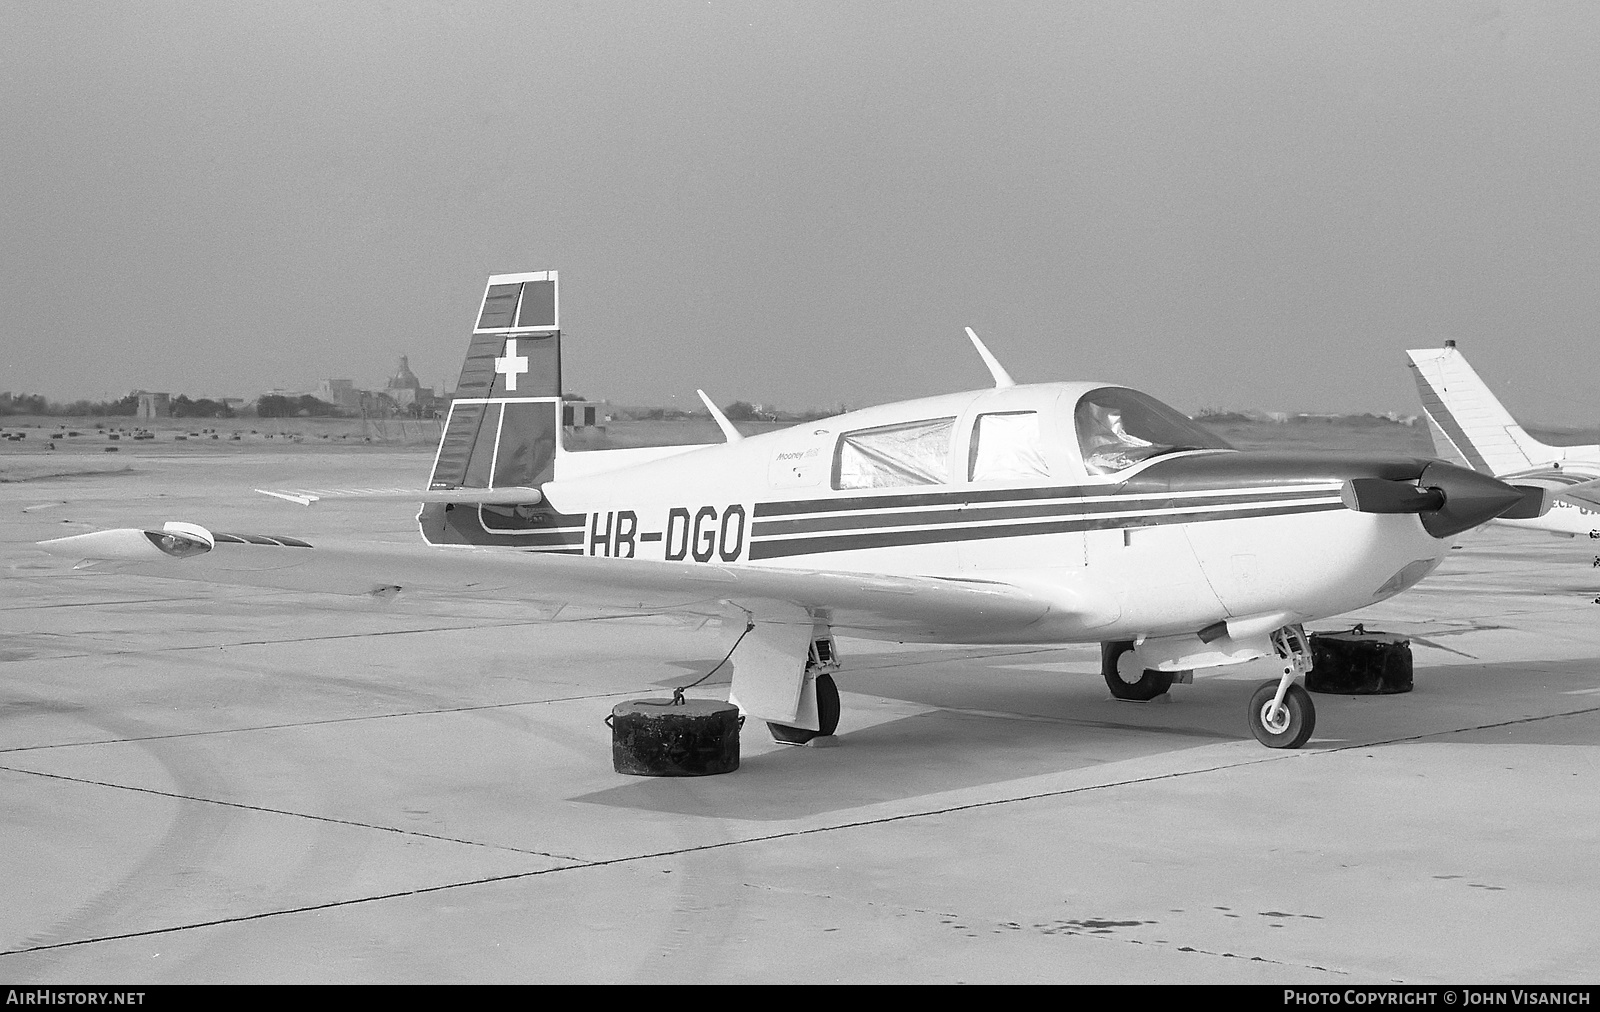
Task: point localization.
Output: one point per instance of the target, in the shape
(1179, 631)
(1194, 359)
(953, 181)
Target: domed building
(405, 389)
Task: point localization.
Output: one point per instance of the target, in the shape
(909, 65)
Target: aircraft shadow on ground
(1053, 728)
(909, 757)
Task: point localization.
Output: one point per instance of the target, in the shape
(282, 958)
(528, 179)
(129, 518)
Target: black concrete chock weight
(660, 738)
(1359, 663)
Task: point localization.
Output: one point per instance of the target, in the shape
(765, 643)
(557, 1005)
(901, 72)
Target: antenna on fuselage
(721, 419)
(1002, 379)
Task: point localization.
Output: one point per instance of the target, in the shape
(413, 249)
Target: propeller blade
(1449, 499)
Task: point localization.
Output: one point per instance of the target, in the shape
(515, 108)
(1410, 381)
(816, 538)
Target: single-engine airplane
(1471, 428)
(1022, 513)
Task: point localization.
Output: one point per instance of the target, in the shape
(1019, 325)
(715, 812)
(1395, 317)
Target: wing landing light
(131, 544)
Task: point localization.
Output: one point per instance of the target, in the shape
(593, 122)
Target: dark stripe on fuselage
(506, 520)
(542, 539)
(905, 500)
(939, 535)
(1118, 504)
(1219, 472)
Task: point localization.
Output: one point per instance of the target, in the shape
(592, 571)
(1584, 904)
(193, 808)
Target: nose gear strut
(1281, 713)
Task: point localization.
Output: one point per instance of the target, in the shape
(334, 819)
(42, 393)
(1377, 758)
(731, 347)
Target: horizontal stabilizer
(1586, 495)
(513, 496)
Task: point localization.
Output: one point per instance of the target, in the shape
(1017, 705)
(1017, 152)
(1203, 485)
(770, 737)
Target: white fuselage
(1131, 562)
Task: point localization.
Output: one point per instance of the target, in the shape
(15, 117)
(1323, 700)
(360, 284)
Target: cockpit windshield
(1118, 428)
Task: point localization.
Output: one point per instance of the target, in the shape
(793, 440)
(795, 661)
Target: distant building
(341, 393)
(405, 389)
(577, 413)
(154, 405)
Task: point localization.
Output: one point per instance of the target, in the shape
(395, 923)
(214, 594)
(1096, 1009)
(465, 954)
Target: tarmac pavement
(237, 785)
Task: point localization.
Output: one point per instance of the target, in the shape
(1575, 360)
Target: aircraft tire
(1288, 732)
(827, 716)
(1151, 683)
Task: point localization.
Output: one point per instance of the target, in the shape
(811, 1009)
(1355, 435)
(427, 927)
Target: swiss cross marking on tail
(511, 365)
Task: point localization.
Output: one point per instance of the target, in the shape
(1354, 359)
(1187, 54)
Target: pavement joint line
(272, 643)
(298, 639)
(327, 720)
(97, 604)
(580, 865)
(1464, 730)
(602, 863)
(298, 815)
(307, 639)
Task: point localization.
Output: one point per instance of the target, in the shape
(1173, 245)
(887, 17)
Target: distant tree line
(35, 404)
(22, 404)
(738, 411)
(279, 406)
(181, 406)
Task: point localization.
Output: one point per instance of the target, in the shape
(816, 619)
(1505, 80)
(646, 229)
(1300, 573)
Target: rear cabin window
(1006, 446)
(890, 456)
(1118, 428)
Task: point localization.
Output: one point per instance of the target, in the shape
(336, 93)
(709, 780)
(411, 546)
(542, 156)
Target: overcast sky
(1225, 204)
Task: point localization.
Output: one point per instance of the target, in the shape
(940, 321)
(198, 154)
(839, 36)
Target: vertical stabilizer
(1469, 425)
(505, 421)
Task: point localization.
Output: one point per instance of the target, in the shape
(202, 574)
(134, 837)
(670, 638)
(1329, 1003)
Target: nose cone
(1470, 498)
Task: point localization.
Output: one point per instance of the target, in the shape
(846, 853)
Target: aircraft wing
(509, 496)
(1556, 477)
(872, 605)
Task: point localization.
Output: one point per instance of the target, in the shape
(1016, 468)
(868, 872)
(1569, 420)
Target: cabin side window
(1006, 446)
(889, 456)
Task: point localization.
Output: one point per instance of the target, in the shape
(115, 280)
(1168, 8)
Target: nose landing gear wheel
(1119, 665)
(827, 716)
(1291, 725)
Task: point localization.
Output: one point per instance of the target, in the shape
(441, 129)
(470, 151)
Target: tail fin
(505, 422)
(1470, 426)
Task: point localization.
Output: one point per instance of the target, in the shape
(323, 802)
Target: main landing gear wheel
(1119, 665)
(827, 716)
(1291, 725)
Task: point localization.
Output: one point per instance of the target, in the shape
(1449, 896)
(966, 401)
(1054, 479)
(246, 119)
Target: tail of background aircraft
(1470, 426)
